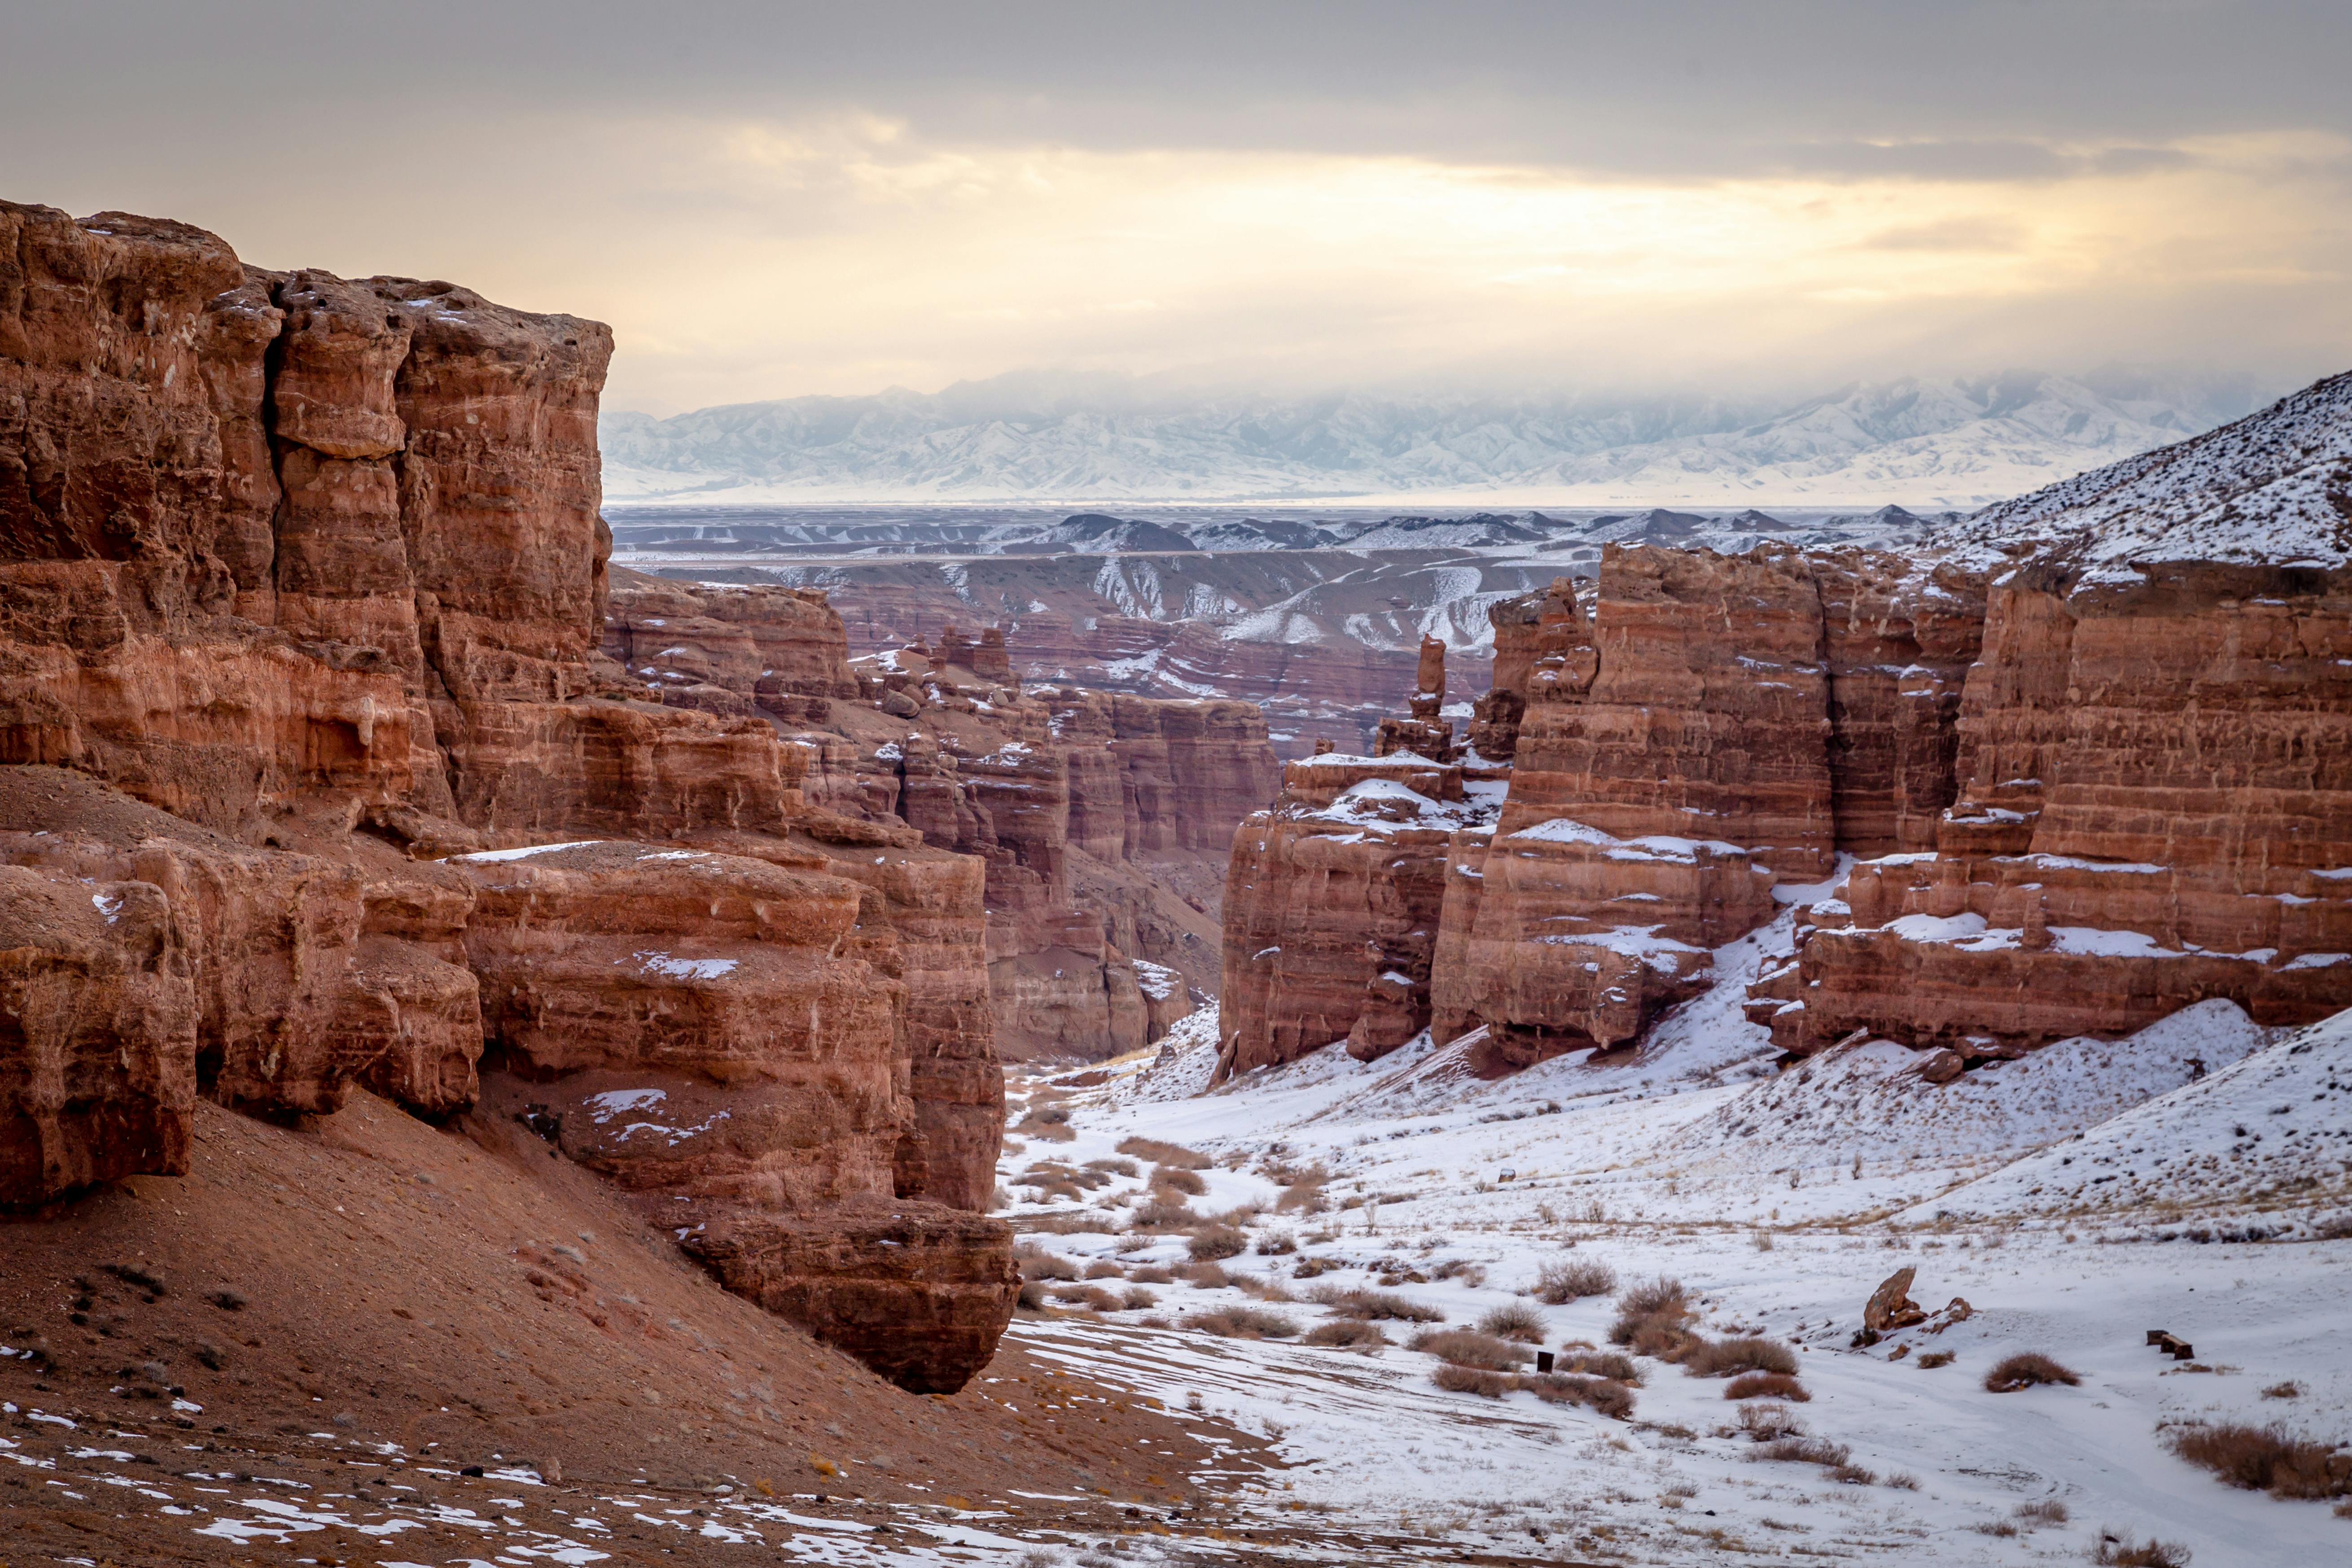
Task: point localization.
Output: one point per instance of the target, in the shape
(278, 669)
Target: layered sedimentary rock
(302, 586)
(1333, 908)
(1102, 819)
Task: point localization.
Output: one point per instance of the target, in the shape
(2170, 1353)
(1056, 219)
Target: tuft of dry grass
(1766, 1386)
(1904, 1480)
(1373, 1306)
(1807, 1451)
(1654, 1319)
(1036, 1263)
(1721, 1358)
(1855, 1475)
(2026, 1369)
(2049, 1510)
(1473, 1380)
(1262, 1288)
(1136, 1300)
(1113, 1167)
(2289, 1390)
(2264, 1459)
(1033, 1126)
(1211, 1243)
(1204, 1276)
(1153, 1274)
(1032, 1297)
(1243, 1323)
(2119, 1551)
(1162, 1214)
(1605, 1394)
(1568, 1280)
(1611, 1364)
(1176, 1179)
(1159, 1154)
(1092, 1295)
(1345, 1332)
(1467, 1347)
(1935, 1358)
(1765, 1423)
(1105, 1269)
(1513, 1321)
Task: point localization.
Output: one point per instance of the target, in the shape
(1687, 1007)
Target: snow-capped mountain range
(1945, 444)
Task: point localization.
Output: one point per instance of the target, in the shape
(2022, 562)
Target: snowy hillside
(2276, 486)
(1945, 443)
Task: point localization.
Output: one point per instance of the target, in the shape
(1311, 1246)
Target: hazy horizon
(771, 201)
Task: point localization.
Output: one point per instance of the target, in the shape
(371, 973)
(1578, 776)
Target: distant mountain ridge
(1957, 442)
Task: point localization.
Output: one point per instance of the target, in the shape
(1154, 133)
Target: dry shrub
(1807, 1451)
(1204, 1276)
(1162, 1213)
(1569, 1280)
(1513, 1321)
(1602, 1364)
(2025, 1371)
(1212, 1242)
(1470, 1274)
(1467, 1347)
(1153, 1274)
(1653, 1320)
(1084, 1222)
(2005, 1528)
(1243, 1323)
(2264, 1459)
(1175, 1179)
(1159, 1153)
(1048, 1132)
(1308, 1268)
(1093, 1296)
(1136, 1300)
(1765, 1423)
(1263, 1289)
(1935, 1358)
(1721, 1358)
(1371, 1306)
(1855, 1475)
(1346, 1331)
(1032, 1297)
(1036, 1263)
(1113, 1167)
(2288, 1390)
(1766, 1386)
(1305, 1197)
(1473, 1380)
(1053, 1187)
(1276, 1244)
(1904, 1480)
(2049, 1510)
(1606, 1395)
(1105, 1269)
(2118, 1552)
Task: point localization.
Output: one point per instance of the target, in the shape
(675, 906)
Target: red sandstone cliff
(302, 589)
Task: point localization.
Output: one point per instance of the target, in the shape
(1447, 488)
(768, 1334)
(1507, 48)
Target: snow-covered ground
(1780, 1199)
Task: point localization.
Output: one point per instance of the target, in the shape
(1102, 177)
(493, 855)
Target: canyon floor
(1412, 1179)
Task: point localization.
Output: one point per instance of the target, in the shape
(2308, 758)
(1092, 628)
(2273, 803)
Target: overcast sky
(767, 200)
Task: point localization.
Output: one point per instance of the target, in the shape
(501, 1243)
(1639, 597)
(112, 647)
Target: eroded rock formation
(302, 586)
(2086, 788)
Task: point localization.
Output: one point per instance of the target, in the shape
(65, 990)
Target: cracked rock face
(302, 586)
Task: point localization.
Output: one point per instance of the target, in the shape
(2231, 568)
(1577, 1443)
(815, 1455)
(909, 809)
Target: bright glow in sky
(770, 201)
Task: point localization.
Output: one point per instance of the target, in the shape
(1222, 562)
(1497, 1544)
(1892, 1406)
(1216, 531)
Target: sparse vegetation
(1611, 1364)
(1513, 1321)
(1158, 1153)
(2283, 1391)
(1136, 1300)
(2049, 1510)
(1151, 1273)
(1568, 1280)
(1653, 1320)
(1456, 1379)
(1807, 1451)
(1605, 1394)
(1467, 1347)
(1765, 1423)
(1935, 1358)
(1105, 1269)
(1211, 1243)
(1243, 1323)
(1345, 1332)
(2026, 1371)
(1036, 1263)
(1373, 1306)
(1204, 1276)
(2118, 1552)
(1721, 1358)
(1176, 1179)
(2264, 1459)
(1766, 1386)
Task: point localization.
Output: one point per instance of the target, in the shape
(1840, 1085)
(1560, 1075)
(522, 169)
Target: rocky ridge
(2019, 790)
(302, 584)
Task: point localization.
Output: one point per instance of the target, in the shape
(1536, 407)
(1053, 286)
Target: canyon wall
(2088, 763)
(303, 593)
(1102, 819)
